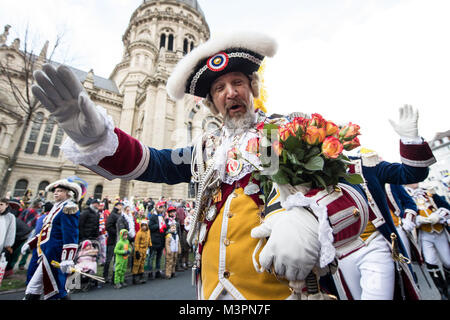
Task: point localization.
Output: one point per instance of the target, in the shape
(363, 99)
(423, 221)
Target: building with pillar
(159, 34)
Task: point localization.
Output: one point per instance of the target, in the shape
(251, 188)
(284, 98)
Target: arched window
(34, 133)
(20, 188)
(43, 148)
(185, 46)
(57, 142)
(162, 41)
(170, 45)
(188, 44)
(42, 186)
(98, 191)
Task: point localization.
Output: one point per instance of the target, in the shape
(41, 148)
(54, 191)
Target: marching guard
(57, 241)
(431, 221)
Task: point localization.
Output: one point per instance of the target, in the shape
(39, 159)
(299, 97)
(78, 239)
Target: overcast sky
(349, 60)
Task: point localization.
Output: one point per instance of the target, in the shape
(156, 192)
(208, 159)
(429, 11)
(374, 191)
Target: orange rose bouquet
(309, 151)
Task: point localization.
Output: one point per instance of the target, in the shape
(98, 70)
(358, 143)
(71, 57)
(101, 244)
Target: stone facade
(158, 35)
(439, 176)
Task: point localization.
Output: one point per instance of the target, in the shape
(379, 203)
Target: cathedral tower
(159, 34)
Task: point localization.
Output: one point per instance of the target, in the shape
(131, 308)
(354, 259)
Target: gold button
(226, 274)
(226, 242)
(356, 212)
(230, 214)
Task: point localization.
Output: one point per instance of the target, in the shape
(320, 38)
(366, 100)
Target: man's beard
(241, 123)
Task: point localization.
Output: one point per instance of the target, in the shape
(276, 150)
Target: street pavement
(180, 288)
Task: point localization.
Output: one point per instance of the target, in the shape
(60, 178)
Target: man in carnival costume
(380, 268)
(57, 241)
(231, 222)
(431, 221)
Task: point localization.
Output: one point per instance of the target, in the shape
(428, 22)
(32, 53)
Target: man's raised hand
(62, 94)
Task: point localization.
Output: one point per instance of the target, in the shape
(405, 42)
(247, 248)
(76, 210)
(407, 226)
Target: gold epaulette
(70, 208)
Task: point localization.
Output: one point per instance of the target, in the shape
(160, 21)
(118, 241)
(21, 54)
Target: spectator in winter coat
(22, 233)
(7, 229)
(158, 229)
(127, 214)
(30, 215)
(111, 228)
(89, 222)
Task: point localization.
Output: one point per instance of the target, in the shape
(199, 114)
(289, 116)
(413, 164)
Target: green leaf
(314, 151)
(354, 178)
(292, 143)
(314, 164)
(280, 177)
(287, 170)
(299, 153)
(293, 159)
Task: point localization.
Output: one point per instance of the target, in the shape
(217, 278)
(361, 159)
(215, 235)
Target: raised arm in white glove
(407, 125)
(293, 247)
(62, 94)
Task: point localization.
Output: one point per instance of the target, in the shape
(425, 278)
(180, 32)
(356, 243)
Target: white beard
(238, 125)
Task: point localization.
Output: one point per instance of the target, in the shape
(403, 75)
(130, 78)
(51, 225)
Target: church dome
(191, 3)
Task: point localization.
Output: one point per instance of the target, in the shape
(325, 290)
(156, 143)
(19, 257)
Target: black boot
(135, 278)
(150, 275)
(438, 280)
(158, 274)
(142, 278)
(30, 296)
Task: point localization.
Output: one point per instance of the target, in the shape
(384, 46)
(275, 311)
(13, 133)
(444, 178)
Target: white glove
(422, 220)
(407, 126)
(408, 225)
(293, 246)
(62, 94)
(434, 217)
(66, 266)
(443, 212)
(24, 249)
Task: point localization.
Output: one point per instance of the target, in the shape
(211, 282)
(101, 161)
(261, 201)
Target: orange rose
(349, 132)
(299, 122)
(286, 131)
(252, 145)
(352, 144)
(317, 120)
(332, 147)
(277, 146)
(314, 135)
(331, 129)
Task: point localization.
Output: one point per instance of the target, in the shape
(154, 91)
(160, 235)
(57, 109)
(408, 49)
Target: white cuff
(407, 140)
(92, 154)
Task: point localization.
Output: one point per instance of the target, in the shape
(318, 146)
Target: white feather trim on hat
(257, 42)
(64, 183)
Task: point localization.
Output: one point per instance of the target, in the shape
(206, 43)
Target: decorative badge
(217, 62)
(234, 167)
